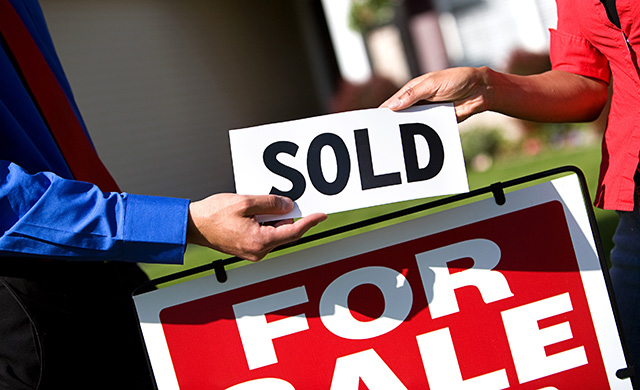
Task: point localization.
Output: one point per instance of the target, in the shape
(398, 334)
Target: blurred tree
(367, 14)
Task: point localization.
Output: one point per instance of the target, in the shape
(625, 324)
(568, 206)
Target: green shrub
(481, 146)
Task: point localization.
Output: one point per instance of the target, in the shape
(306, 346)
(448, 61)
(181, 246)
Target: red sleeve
(573, 53)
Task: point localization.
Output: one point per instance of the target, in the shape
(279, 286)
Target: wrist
(487, 80)
(194, 235)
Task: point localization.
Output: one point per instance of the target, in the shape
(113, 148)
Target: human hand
(226, 222)
(467, 88)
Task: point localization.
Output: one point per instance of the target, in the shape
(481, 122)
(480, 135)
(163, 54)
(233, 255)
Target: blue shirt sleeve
(45, 215)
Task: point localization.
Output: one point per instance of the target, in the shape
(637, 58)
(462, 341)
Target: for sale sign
(482, 296)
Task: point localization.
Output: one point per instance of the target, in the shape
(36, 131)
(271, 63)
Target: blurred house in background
(404, 38)
(160, 82)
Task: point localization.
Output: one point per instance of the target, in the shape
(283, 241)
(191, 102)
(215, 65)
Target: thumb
(269, 204)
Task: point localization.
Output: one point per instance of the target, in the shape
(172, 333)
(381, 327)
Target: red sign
(496, 304)
(478, 297)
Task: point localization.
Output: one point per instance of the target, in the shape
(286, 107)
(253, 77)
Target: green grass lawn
(585, 158)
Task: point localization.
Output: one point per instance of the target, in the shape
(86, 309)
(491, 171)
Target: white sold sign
(351, 160)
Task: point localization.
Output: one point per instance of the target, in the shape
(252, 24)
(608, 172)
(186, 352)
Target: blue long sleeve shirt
(43, 210)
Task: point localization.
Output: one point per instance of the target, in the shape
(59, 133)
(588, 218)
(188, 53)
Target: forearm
(554, 96)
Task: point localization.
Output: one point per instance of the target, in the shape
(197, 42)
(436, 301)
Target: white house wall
(490, 30)
(160, 82)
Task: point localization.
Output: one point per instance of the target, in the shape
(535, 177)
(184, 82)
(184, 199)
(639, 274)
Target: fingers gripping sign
(227, 223)
(465, 87)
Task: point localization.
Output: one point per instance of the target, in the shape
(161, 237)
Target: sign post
(507, 292)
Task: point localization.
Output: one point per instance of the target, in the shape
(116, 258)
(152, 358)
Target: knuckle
(297, 235)
(276, 202)
(410, 92)
(244, 202)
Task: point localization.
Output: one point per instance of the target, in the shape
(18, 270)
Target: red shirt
(587, 43)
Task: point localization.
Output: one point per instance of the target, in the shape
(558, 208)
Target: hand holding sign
(226, 222)
(351, 160)
(465, 87)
